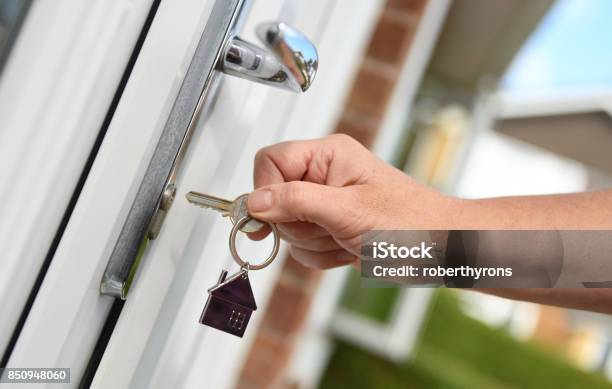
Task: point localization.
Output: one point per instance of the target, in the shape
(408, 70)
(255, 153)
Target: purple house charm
(230, 304)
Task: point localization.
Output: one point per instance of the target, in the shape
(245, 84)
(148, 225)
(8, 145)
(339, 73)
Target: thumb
(301, 201)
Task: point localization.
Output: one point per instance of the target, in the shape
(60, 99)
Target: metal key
(235, 210)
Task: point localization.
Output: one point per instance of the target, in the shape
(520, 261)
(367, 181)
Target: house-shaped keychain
(230, 304)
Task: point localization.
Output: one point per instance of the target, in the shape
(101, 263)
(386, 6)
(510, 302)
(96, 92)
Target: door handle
(289, 59)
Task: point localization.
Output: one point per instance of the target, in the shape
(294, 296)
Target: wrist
(474, 214)
(454, 211)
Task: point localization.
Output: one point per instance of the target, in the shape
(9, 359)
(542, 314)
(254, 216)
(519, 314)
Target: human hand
(324, 193)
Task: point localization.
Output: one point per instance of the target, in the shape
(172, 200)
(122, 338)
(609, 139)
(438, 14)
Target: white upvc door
(55, 91)
(157, 341)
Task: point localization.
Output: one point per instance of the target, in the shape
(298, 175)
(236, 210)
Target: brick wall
(365, 107)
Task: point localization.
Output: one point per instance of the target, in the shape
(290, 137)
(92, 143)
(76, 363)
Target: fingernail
(346, 256)
(260, 200)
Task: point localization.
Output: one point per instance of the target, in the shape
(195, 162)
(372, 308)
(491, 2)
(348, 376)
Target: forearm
(563, 212)
(567, 211)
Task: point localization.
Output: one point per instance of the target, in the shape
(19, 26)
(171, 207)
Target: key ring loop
(232, 245)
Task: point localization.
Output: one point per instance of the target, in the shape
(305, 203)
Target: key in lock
(235, 210)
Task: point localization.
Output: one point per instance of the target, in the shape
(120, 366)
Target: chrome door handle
(289, 59)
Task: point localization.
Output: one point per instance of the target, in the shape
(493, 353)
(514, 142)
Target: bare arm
(325, 193)
(567, 211)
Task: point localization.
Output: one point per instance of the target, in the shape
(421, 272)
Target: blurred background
(477, 98)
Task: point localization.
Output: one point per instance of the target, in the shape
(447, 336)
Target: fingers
(282, 162)
(323, 260)
(318, 245)
(331, 161)
(331, 208)
(292, 231)
(302, 230)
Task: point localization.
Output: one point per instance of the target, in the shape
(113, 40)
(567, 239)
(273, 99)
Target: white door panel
(54, 94)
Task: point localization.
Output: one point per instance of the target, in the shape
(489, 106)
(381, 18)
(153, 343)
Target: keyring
(232, 245)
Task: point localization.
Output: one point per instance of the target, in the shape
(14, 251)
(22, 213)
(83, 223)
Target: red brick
(266, 361)
(383, 69)
(364, 131)
(412, 6)
(287, 309)
(370, 93)
(391, 39)
(300, 275)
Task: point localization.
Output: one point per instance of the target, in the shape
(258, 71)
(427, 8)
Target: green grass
(457, 351)
(375, 303)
